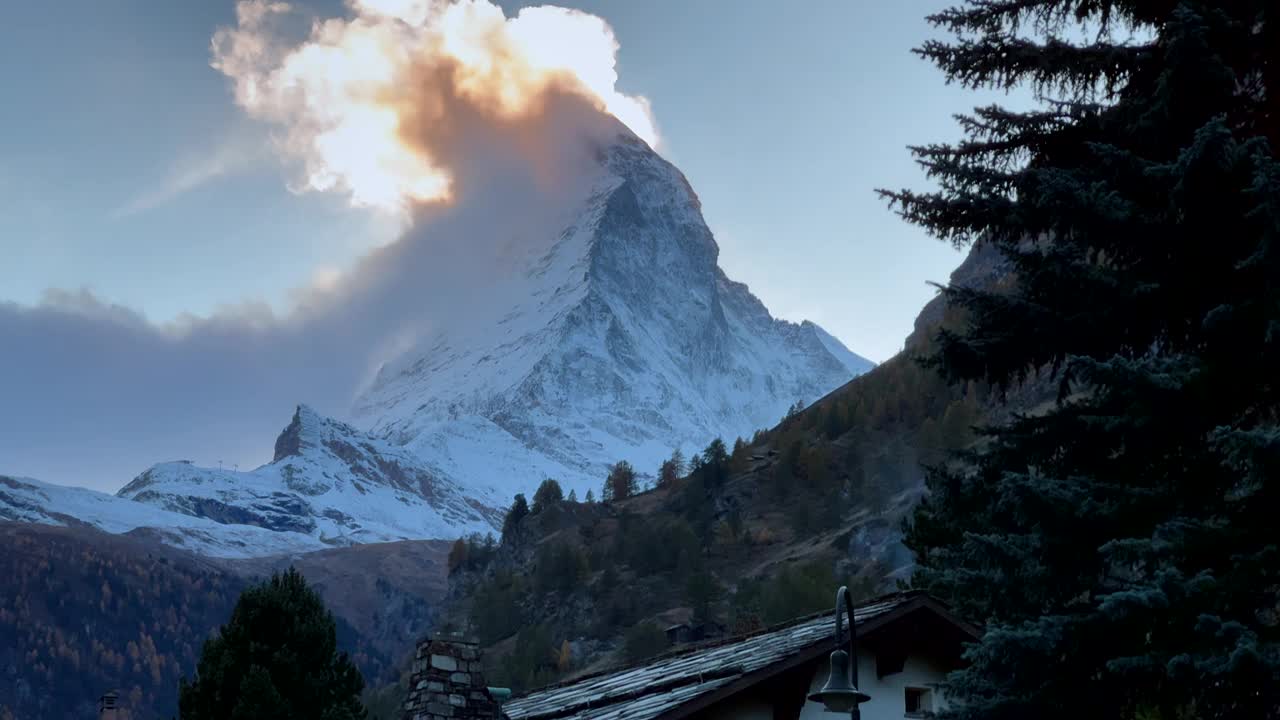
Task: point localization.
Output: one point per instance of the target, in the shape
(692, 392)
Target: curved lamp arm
(841, 693)
(844, 604)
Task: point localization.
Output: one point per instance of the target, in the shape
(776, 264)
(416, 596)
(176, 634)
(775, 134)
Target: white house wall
(888, 694)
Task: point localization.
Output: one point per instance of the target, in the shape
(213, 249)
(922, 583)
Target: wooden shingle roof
(662, 686)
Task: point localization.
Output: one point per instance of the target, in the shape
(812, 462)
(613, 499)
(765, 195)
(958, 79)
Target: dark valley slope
(83, 612)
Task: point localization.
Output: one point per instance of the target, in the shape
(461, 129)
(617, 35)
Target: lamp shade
(839, 694)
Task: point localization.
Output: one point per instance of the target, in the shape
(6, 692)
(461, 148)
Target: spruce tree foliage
(496, 613)
(794, 409)
(800, 589)
(621, 483)
(560, 568)
(672, 469)
(548, 494)
(714, 465)
(471, 552)
(1121, 547)
(519, 510)
(532, 663)
(703, 591)
(458, 555)
(643, 641)
(276, 658)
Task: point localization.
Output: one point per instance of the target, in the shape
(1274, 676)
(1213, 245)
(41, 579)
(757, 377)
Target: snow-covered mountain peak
(328, 481)
(309, 431)
(605, 331)
(627, 340)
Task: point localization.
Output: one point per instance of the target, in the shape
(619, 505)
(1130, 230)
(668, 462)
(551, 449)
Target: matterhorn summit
(627, 340)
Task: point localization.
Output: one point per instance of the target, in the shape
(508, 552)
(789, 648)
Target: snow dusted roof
(668, 682)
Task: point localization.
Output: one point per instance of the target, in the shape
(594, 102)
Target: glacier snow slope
(28, 500)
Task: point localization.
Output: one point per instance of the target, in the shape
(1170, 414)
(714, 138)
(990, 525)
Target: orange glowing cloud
(346, 96)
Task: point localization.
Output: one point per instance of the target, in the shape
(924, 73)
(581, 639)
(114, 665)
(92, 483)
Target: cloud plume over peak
(371, 104)
(481, 131)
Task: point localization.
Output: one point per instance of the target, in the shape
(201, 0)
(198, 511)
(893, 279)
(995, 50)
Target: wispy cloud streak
(190, 173)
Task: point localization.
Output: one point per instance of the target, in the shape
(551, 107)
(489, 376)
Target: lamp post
(841, 693)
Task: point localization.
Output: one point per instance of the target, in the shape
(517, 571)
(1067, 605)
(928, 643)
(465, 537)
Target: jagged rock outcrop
(328, 481)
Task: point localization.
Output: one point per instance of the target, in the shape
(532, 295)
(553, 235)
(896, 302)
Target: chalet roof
(662, 685)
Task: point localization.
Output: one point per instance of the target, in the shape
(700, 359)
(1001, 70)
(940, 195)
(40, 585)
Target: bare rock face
(983, 267)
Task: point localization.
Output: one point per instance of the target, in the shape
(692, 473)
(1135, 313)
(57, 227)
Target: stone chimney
(107, 709)
(447, 683)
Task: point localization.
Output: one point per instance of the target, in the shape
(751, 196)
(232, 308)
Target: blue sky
(128, 171)
(126, 168)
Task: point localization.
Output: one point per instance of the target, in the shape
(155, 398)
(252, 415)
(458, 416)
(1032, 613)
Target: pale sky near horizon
(128, 171)
(125, 167)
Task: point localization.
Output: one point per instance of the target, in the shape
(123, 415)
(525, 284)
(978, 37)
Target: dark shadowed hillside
(83, 612)
(385, 595)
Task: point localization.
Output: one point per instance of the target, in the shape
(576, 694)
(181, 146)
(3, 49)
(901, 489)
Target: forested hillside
(83, 612)
(747, 533)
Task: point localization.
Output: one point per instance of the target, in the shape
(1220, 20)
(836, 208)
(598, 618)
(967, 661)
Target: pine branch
(1043, 16)
(1005, 61)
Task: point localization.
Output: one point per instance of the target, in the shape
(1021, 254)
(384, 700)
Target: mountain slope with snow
(328, 481)
(329, 485)
(33, 501)
(629, 341)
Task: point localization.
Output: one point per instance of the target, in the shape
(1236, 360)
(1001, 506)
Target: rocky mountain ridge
(616, 338)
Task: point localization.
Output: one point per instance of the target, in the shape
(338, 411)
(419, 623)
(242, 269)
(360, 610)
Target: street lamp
(841, 693)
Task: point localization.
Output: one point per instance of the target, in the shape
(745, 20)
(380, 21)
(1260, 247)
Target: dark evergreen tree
(458, 555)
(1120, 548)
(548, 494)
(532, 663)
(713, 464)
(277, 658)
(559, 568)
(795, 409)
(703, 591)
(519, 510)
(643, 641)
(621, 483)
(671, 469)
(695, 462)
(716, 453)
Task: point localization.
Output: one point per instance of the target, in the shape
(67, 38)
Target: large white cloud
(92, 393)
